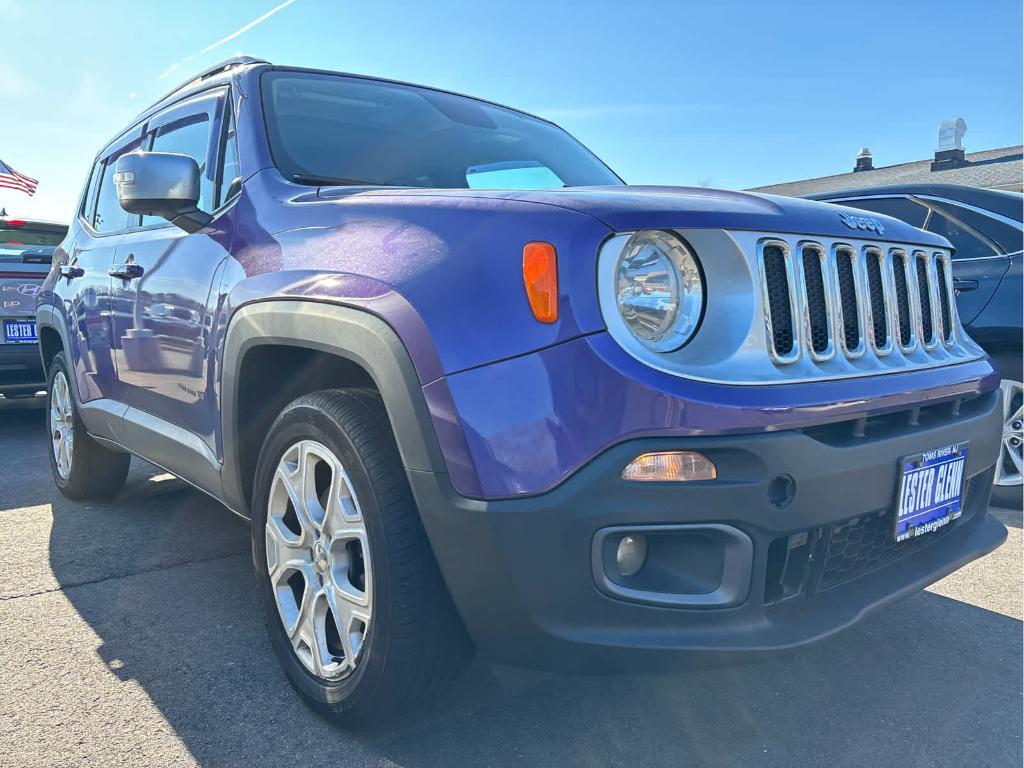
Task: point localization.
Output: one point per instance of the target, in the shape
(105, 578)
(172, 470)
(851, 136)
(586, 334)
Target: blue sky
(724, 94)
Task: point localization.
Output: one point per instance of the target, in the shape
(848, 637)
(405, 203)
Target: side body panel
(975, 282)
(998, 325)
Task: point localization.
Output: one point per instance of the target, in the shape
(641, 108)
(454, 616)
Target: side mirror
(161, 184)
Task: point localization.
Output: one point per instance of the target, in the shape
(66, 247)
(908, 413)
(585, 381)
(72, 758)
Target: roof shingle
(991, 169)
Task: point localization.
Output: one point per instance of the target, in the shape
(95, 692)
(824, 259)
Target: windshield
(327, 128)
(23, 244)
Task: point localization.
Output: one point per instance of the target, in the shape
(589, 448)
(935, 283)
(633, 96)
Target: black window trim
(141, 131)
(933, 210)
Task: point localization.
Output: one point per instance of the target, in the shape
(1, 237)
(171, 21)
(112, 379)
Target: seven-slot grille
(853, 299)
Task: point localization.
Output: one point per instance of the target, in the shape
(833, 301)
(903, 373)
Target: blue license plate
(930, 491)
(20, 332)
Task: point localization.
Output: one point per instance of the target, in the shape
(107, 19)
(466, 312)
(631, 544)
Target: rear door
(85, 288)
(978, 262)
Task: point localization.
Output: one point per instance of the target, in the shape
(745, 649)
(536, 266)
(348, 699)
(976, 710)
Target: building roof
(992, 169)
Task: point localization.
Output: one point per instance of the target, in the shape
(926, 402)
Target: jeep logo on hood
(862, 222)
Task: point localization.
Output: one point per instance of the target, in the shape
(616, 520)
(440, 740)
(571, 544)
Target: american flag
(11, 179)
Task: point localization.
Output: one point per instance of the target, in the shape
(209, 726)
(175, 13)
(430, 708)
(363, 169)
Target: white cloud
(232, 36)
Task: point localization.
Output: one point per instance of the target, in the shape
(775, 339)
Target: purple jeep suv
(474, 392)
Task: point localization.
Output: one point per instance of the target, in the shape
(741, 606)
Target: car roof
(1008, 204)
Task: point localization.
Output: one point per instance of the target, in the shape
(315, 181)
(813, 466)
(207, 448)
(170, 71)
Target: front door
(165, 279)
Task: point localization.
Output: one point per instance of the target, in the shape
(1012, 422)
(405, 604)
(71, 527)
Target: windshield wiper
(333, 181)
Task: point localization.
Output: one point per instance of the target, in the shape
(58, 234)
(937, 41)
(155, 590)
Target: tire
(1007, 492)
(406, 642)
(82, 469)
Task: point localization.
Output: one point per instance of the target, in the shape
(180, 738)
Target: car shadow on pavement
(164, 580)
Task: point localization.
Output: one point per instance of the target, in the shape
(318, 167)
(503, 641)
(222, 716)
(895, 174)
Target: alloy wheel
(318, 559)
(62, 424)
(1010, 467)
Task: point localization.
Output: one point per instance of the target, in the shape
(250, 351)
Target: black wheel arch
(367, 350)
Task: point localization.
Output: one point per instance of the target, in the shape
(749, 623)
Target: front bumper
(21, 369)
(522, 571)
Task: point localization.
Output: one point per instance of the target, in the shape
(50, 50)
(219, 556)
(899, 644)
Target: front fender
(367, 340)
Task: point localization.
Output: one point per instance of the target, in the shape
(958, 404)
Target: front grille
(817, 309)
(925, 297)
(780, 309)
(876, 294)
(906, 292)
(899, 276)
(947, 318)
(848, 298)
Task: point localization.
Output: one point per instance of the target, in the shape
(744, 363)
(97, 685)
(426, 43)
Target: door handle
(962, 285)
(71, 272)
(129, 271)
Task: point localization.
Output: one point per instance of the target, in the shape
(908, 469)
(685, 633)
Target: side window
(967, 245)
(229, 180)
(109, 215)
(1004, 235)
(89, 201)
(897, 207)
(190, 136)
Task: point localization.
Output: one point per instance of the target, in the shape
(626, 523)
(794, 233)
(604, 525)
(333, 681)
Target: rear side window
(1006, 236)
(967, 245)
(897, 207)
(89, 201)
(109, 215)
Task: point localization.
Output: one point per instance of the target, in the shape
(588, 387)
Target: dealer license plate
(20, 332)
(930, 490)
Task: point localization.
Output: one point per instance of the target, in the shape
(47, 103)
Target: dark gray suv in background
(985, 229)
(26, 250)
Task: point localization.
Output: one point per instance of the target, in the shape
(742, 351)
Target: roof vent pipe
(950, 152)
(863, 161)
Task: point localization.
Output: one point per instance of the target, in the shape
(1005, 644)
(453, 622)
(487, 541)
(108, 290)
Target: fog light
(630, 555)
(670, 466)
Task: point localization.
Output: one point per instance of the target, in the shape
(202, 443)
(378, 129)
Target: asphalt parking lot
(129, 635)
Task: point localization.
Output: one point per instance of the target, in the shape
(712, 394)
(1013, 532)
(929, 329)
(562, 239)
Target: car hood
(626, 208)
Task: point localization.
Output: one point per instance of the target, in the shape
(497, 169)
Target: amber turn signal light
(670, 466)
(540, 275)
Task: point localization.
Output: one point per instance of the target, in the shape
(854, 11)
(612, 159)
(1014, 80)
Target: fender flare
(349, 333)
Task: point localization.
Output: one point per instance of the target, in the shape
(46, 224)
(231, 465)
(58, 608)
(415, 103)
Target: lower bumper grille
(827, 557)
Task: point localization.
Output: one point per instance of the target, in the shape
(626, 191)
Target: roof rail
(221, 66)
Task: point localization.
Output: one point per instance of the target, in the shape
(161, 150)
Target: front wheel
(358, 614)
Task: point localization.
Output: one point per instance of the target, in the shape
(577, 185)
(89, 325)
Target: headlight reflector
(659, 290)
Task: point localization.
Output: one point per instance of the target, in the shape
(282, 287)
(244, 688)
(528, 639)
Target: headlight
(659, 290)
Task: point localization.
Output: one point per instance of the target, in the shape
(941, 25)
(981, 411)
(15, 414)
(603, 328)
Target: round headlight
(659, 290)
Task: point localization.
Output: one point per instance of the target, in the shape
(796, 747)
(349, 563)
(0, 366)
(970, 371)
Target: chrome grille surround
(735, 344)
(873, 252)
(859, 290)
(804, 298)
(900, 261)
